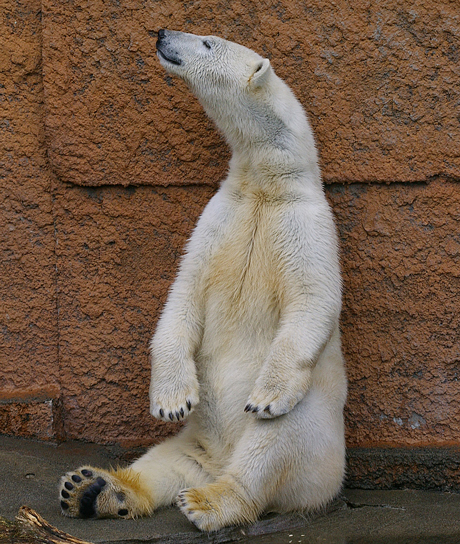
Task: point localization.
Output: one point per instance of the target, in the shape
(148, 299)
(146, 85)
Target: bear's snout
(164, 49)
(161, 36)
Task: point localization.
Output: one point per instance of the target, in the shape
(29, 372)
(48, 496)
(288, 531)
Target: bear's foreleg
(174, 389)
(286, 374)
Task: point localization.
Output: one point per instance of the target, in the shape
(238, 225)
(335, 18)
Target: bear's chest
(245, 268)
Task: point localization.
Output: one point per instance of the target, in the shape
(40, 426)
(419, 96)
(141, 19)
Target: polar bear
(248, 345)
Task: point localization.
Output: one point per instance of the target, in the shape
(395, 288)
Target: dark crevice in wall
(327, 185)
(57, 403)
(58, 408)
(419, 183)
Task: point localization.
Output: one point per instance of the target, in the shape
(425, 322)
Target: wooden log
(34, 525)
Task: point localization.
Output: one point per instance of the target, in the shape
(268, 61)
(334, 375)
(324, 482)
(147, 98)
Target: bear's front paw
(173, 402)
(271, 399)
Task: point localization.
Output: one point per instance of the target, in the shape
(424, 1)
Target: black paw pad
(76, 478)
(123, 512)
(65, 494)
(64, 505)
(88, 500)
(86, 473)
(68, 486)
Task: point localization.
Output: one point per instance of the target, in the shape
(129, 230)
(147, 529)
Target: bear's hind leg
(289, 463)
(152, 481)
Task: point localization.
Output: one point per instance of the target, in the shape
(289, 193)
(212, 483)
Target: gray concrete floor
(30, 471)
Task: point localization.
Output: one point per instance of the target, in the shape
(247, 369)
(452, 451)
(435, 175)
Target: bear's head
(239, 90)
(211, 66)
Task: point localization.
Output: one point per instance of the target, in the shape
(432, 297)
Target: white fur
(252, 319)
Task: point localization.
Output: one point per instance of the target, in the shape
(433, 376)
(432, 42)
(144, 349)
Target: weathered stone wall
(107, 163)
(29, 368)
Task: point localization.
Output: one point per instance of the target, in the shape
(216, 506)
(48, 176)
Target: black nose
(161, 33)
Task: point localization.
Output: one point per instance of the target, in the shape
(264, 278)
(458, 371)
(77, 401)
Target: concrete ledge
(30, 470)
(398, 468)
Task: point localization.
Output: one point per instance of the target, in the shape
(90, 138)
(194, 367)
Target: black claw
(255, 410)
(171, 417)
(65, 494)
(182, 412)
(68, 486)
(123, 512)
(267, 409)
(64, 505)
(87, 473)
(162, 414)
(189, 404)
(247, 407)
(178, 416)
(76, 478)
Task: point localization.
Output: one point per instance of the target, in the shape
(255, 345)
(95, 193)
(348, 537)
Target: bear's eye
(207, 44)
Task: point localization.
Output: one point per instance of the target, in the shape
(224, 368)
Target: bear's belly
(242, 310)
(243, 290)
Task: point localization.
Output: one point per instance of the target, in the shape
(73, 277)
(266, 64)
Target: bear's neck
(264, 164)
(265, 147)
(276, 173)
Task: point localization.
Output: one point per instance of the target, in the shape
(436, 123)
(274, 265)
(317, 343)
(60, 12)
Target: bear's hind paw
(217, 505)
(96, 493)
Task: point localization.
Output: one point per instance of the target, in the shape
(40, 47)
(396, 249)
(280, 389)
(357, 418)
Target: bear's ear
(260, 73)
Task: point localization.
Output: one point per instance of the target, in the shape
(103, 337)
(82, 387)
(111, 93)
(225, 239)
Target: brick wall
(107, 163)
